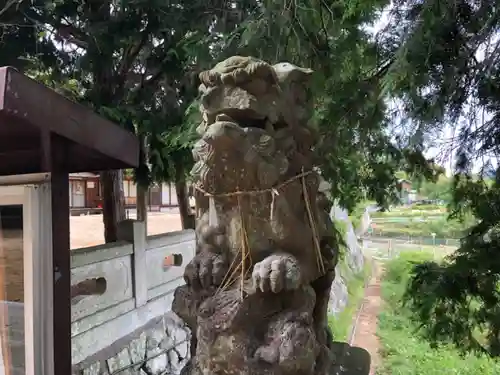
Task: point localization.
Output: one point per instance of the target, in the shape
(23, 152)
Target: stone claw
(205, 271)
(277, 273)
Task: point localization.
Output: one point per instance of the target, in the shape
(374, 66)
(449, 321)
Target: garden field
(419, 221)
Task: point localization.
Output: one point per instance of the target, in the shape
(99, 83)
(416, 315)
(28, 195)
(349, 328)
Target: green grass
(404, 351)
(341, 324)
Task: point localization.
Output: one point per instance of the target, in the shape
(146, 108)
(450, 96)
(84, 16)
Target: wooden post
(142, 191)
(61, 255)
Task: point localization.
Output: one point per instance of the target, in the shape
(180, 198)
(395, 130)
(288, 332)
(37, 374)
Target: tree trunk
(113, 206)
(142, 205)
(142, 191)
(187, 217)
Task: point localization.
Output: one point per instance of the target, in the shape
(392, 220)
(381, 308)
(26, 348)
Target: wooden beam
(24, 179)
(37, 160)
(12, 143)
(20, 162)
(29, 101)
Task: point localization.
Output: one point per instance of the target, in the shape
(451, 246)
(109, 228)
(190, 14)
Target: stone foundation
(160, 347)
(353, 264)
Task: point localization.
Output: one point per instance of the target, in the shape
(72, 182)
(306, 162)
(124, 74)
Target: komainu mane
(258, 288)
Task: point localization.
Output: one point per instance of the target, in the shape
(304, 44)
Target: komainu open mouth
(245, 118)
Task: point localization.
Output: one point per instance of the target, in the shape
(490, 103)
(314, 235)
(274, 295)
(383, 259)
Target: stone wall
(351, 264)
(159, 347)
(130, 329)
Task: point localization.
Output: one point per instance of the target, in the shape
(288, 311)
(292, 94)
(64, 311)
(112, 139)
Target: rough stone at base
(162, 347)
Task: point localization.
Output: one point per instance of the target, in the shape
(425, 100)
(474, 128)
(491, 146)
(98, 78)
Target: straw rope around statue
(242, 269)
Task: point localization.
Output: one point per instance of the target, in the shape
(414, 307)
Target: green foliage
(458, 300)
(441, 189)
(358, 212)
(339, 231)
(397, 274)
(136, 63)
(358, 156)
(355, 221)
(445, 72)
(24, 43)
(403, 351)
(401, 175)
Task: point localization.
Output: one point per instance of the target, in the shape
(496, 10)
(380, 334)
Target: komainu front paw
(206, 270)
(277, 273)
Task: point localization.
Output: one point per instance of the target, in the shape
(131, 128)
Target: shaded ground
(366, 320)
(85, 231)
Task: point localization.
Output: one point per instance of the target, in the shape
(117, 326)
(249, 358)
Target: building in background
(159, 195)
(406, 194)
(85, 196)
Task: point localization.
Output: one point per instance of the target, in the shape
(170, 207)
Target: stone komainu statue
(256, 292)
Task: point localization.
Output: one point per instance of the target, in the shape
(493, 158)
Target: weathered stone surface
(93, 369)
(355, 258)
(137, 349)
(162, 347)
(354, 262)
(119, 361)
(338, 294)
(258, 288)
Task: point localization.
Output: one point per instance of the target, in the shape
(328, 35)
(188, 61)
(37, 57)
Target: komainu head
(255, 94)
(255, 125)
